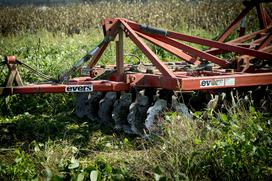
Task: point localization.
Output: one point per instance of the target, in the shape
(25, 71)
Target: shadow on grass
(26, 128)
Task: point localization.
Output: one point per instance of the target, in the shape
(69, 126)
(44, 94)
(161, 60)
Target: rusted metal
(146, 50)
(234, 24)
(262, 16)
(179, 53)
(194, 52)
(104, 86)
(120, 55)
(97, 56)
(13, 75)
(223, 46)
(10, 59)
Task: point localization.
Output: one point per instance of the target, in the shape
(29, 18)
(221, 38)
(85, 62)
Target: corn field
(174, 14)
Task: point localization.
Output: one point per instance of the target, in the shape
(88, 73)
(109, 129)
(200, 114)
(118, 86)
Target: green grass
(48, 144)
(229, 146)
(232, 146)
(42, 139)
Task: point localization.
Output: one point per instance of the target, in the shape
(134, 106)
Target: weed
(42, 139)
(225, 147)
(23, 168)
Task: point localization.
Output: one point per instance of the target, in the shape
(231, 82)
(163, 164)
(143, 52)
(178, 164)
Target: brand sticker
(230, 81)
(79, 88)
(217, 82)
(212, 83)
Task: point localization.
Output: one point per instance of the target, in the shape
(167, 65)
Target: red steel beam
(234, 24)
(193, 51)
(223, 46)
(110, 31)
(177, 52)
(247, 37)
(267, 49)
(146, 50)
(230, 81)
(120, 55)
(183, 83)
(152, 81)
(206, 42)
(216, 51)
(97, 56)
(60, 88)
(262, 16)
(268, 18)
(265, 42)
(191, 83)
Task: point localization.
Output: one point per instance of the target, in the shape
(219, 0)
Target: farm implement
(131, 96)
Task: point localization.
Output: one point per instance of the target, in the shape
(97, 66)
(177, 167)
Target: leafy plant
(224, 147)
(50, 143)
(23, 168)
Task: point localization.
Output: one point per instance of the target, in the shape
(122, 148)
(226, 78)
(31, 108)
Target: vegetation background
(42, 139)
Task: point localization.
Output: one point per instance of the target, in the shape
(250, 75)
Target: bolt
(132, 78)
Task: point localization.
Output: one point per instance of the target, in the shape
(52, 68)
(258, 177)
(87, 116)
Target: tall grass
(52, 143)
(233, 146)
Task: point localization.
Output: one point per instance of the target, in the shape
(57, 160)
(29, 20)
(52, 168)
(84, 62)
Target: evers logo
(212, 83)
(79, 88)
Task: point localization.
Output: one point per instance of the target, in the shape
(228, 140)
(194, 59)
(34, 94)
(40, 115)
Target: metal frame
(224, 74)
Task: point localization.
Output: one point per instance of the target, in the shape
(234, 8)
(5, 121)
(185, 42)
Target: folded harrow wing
(131, 97)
